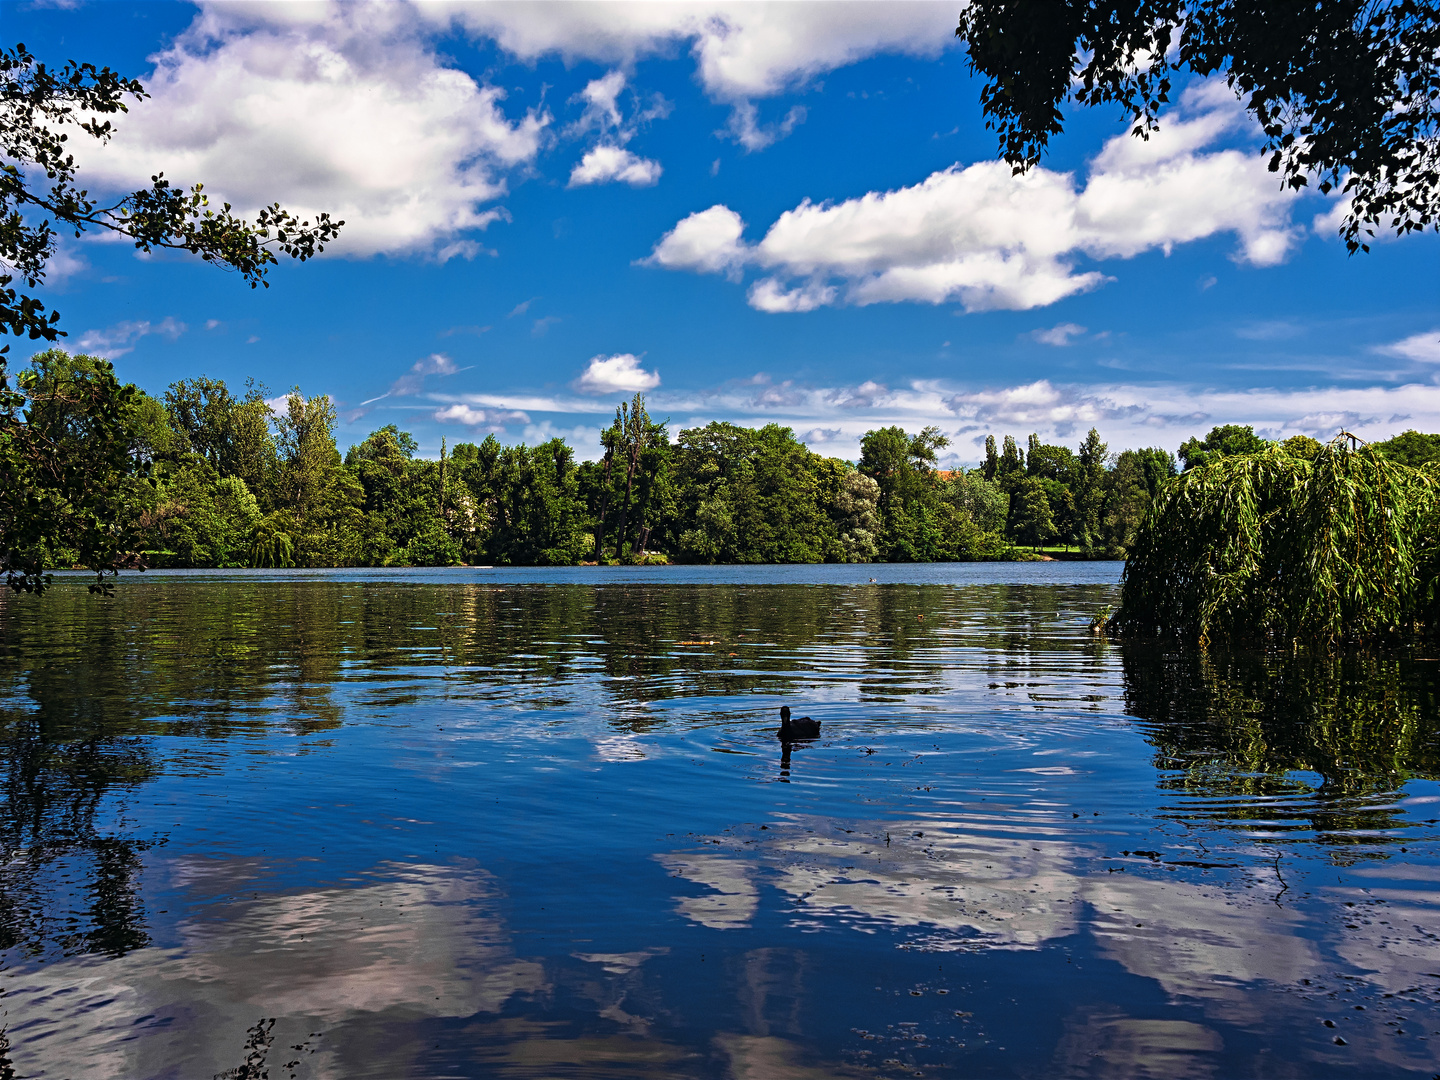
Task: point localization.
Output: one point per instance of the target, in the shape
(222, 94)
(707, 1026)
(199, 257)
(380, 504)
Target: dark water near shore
(537, 824)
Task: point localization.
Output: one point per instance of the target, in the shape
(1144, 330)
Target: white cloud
(1422, 347)
(115, 341)
(1127, 415)
(609, 161)
(834, 418)
(606, 163)
(743, 51)
(489, 419)
(1269, 330)
(584, 439)
(528, 403)
(992, 240)
(1059, 336)
(768, 294)
(707, 241)
(620, 373)
(339, 107)
(64, 264)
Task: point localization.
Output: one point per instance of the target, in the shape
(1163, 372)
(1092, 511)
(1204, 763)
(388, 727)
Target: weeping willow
(1282, 545)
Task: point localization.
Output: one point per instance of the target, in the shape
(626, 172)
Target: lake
(537, 823)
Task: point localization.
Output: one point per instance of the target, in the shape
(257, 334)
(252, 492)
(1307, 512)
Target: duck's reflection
(786, 746)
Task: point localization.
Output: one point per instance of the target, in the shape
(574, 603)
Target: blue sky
(752, 212)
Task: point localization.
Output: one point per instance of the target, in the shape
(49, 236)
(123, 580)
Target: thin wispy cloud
(1423, 348)
(413, 381)
(1059, 336)
(117, 340)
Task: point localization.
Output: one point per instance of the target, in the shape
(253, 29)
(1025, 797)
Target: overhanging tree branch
(1346, 92)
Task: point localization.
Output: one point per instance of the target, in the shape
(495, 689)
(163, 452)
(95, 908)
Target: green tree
(749, 496)
(1127, 501)
(1411, 448)
(539, 515)
(1279, 545)
(1227, 440)
(981, 501)
(632, 479)
(856, 506)
(1031, 519)
(201, 412)
(1088, 487)
(1156, 466)
(1345, 91)
(323, 501)
(69, 438)
(916, 524)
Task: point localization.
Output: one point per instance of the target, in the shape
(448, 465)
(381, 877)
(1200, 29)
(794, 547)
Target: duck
(801, 727)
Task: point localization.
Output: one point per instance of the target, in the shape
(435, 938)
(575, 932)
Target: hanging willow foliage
(1280, 545)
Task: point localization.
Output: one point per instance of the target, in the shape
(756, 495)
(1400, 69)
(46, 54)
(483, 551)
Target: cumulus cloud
(743, 51)
(1424, 348)
(605, 164)
(115, 341)
(707, 241)
(339, 107)
(991, 240)
(620, 373)
(1059, 336)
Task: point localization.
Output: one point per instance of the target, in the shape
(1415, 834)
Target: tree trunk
(604, 504)
(629, 487)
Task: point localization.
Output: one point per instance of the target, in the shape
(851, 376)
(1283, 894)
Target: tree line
(103, 475)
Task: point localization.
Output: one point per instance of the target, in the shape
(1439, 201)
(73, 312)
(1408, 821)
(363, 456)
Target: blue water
(536, 823)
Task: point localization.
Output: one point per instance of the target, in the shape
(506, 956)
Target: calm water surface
(506, 823)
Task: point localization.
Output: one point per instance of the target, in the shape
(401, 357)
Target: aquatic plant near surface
(1338, 543)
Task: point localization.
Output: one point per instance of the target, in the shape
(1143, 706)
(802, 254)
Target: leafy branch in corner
(1346, 92)
(58, 482)
(37, 104)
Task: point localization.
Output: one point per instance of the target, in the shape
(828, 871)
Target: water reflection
(1282, 742)
(476, 830)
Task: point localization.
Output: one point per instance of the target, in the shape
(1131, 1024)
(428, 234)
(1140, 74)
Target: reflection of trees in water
(652, 643)
(53, 842)
(88, 683)
(1231, 726)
